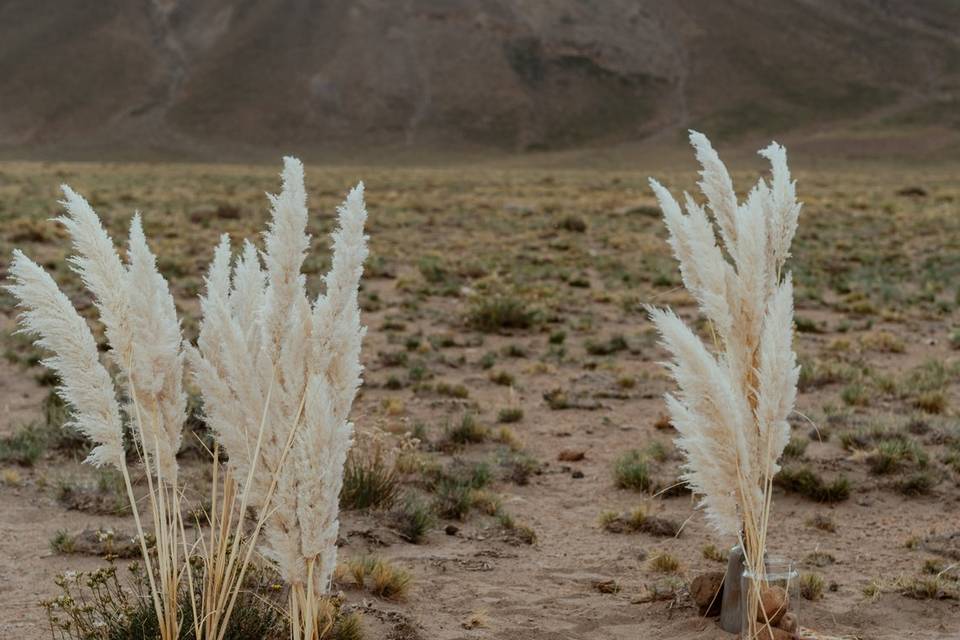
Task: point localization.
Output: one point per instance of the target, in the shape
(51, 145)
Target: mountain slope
(205, 77)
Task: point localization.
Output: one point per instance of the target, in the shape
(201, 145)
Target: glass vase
(778, 605)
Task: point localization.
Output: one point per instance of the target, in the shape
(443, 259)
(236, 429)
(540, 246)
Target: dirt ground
(877, 266)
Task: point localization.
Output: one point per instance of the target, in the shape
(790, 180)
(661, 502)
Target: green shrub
(630, 471)
(496, 313)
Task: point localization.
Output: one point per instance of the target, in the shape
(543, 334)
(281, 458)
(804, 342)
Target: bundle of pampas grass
(279, 374)
(731, 412)
(141, 326)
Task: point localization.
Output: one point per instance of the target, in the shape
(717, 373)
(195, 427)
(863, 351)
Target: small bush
(664, 563)
(795, 448)
(607, 347)
(510, 414)
(468, 431)
(368, 481)
(25, 446)
(493, 314)
(381, 577)
(96, 605)
(452, 390)
(710, 552)
(414, 520)
(894, 454)
(807, 483)
(62, 542)
(630, 471)
(811, 586)
(502, 378)
(917, 484)
(573, 223)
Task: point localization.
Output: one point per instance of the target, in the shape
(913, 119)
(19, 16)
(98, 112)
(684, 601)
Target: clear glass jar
(780, 584)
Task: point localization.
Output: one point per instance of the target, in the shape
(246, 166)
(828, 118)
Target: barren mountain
(209, 78)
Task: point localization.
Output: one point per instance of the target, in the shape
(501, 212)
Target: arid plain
(512, 413)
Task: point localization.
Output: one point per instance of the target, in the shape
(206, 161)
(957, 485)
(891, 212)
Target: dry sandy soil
(878, 293)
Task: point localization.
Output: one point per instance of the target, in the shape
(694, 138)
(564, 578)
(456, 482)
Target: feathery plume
(731, 412)
(279, 371)
(84, 382)
(141, 325)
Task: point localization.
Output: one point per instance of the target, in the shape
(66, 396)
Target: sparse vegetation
(807, 483)
(631, 471)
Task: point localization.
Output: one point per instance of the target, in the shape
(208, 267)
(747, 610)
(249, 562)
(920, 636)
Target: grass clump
(497, 313)
(811, 586)
(919, 483)
(510, 414)
(894, 454)
(414, 520)
(369, 481)
(380, 577)
(62, 542)
(98, 606)
(664, 563)
(630, 471)
(25, 447)
(711, 552)
(607, 347)
(795, 448)
(807, 483)
(469, 431)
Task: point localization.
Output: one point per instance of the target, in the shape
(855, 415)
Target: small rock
(663, 422)
(577, 475)
(571, 455)
(707, 591)
(789, 622)
(773, 602)
(451, 530)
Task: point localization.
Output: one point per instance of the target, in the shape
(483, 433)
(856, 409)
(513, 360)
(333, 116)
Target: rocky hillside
(203, 78)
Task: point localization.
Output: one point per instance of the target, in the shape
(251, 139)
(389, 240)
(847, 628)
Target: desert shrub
(807, 483)
(380, 577)
(25, 446)
(573, 223)
(711, 552)
(795, 448)
(918, 483)
(97, 605)
(630, 471)
(414, 519)
(811, 586)
(607, 347)
(451, 390)
(510, 414)
(469, 431)
(894, 454)
(370, 481)
(664, 563)
(496, 313)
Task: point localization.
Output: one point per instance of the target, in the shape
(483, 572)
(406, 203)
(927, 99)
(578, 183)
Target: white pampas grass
(141, 325)
(86, 385)
(732, 408)
(279, 376)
